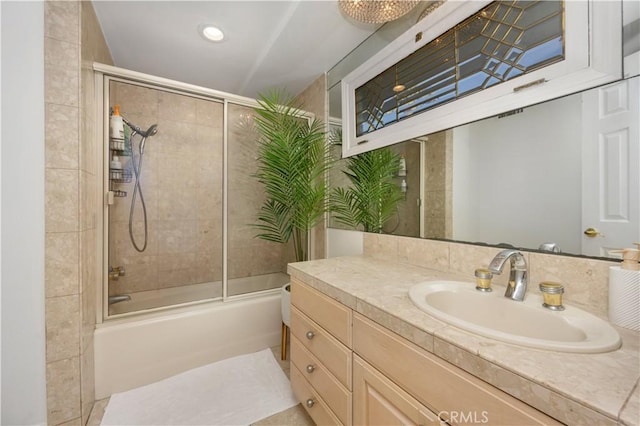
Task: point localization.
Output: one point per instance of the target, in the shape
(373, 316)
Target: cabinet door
(378, 401)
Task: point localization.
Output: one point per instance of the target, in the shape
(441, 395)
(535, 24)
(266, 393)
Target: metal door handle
(310, 402)
(592, 233)
(310, 368)
(310, 335)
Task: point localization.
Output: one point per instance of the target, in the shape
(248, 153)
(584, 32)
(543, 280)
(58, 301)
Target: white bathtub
(136, 351)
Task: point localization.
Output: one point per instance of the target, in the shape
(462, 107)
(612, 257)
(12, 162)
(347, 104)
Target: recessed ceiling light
(211, 33)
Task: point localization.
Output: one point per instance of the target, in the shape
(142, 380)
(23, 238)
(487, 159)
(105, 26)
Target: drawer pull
(310, 403)
(310, 335)
(310, 368)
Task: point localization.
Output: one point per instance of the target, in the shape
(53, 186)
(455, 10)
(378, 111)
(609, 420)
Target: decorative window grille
(504, 40)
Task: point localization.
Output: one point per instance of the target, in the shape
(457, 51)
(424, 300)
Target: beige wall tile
(61, 264)
(177, 204)
(209, 236)
(139, 277)
(177, 261)
(381, 246)
(176, 236)
(209, 113)
(61, 205)
(87, 384)
(176, 107)
(121, 248)
(62, 20)
(63, 390)
(62, 76)
(63, 327)
(177, 278)
(89, 284)
(136, 101)
(586, 281)
(466, 258)
(209, 266)
(88, 201)
(62, 135)
(88, 143)
(425, 253)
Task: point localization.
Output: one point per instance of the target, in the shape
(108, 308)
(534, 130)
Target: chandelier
(376, 11)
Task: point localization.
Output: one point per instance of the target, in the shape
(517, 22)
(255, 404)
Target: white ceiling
(268, 44)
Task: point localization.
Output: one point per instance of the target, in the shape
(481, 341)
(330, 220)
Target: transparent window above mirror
(473, 59)
(500, 42)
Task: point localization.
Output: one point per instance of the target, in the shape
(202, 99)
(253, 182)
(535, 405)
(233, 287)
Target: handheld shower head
(150, 131)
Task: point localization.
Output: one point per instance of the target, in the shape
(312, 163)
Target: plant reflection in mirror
(373, 197)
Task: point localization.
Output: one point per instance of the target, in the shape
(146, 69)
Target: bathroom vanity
(362, 353)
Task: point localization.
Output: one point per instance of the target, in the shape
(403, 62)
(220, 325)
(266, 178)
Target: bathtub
(138, 350)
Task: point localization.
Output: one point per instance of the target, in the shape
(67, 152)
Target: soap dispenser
(116, 129)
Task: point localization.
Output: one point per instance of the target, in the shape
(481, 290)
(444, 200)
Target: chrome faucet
(518, 277)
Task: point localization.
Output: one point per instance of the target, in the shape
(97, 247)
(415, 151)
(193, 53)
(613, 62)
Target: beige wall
(72, 39)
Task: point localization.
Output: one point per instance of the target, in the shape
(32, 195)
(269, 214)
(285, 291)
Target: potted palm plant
(293, 157)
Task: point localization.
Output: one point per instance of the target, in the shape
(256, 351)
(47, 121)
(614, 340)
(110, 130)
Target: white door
(611, 159)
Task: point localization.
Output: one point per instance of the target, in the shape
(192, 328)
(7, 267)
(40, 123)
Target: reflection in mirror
(533, 178)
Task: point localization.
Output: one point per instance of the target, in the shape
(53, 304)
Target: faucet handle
(552, 295)
(483, 279)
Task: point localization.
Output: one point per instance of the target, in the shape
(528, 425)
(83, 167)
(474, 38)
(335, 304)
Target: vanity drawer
(337, 397)
(328, 313)
(319, 411)
(437, 384)
(329, 351)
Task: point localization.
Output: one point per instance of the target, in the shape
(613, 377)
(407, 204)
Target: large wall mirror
(533, 178)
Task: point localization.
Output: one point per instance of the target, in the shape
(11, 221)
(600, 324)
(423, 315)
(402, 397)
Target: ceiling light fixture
(211, 33)
(376, 11)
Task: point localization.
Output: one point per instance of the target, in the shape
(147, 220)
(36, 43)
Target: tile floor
(294, 416)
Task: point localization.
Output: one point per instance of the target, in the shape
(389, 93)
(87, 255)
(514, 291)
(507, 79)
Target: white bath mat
(235, 391)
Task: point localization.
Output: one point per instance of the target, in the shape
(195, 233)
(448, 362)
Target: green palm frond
(373, 197)
(292, 162)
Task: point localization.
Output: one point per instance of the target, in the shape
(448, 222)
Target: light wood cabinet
(346, 369)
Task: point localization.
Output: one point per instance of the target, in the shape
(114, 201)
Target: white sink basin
(522, 323)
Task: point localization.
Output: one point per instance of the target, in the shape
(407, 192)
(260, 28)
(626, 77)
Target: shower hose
(137, 189)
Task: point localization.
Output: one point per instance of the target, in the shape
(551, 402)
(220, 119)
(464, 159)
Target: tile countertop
(573, 388)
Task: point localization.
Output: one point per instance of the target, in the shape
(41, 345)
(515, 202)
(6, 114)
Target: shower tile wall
(73, 40)
(438, 197)
(181, 181)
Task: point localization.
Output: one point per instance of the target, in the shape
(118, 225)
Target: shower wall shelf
(120, 176)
